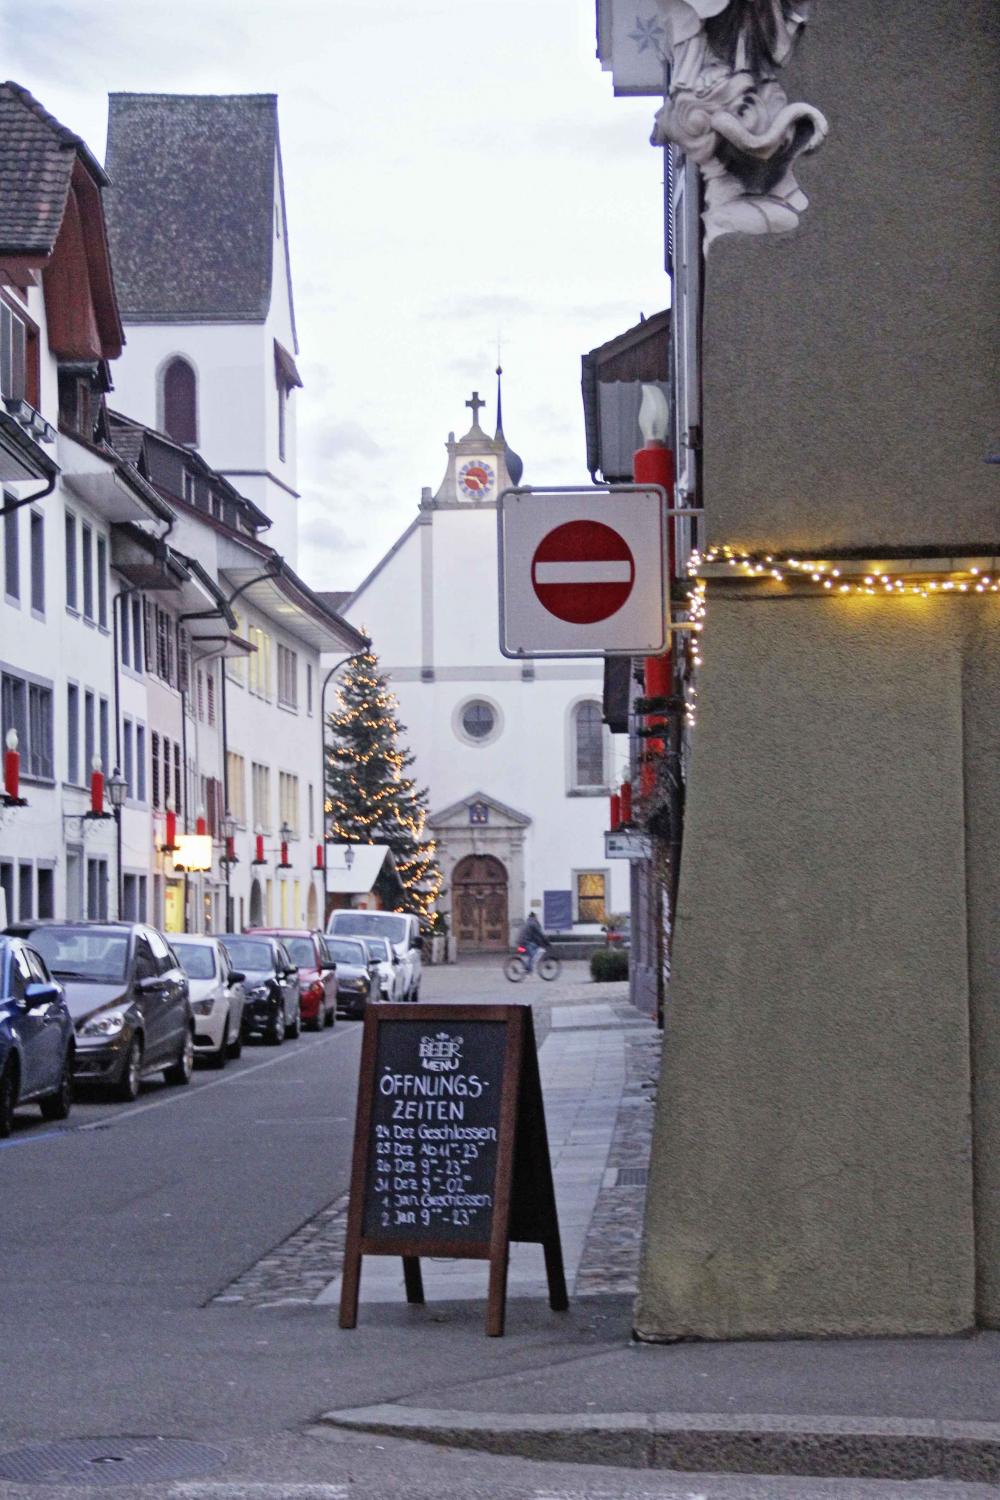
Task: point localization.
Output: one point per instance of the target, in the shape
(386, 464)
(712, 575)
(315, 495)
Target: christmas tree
(369, 797)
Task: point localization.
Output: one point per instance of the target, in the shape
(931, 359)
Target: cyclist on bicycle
(532, 939)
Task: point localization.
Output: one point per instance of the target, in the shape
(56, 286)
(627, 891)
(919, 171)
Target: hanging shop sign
(192, 852)
(451, 1155)
(582, 572)
(627, 843)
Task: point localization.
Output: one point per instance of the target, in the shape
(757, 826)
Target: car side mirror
(150, 984)
(290, 973)
(40, 993)
(329, 968)
(418, 942)
(235, 977)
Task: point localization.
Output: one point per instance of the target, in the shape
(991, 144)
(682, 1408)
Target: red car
(317, 972)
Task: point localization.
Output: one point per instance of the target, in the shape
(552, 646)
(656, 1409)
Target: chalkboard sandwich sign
(451, 1157)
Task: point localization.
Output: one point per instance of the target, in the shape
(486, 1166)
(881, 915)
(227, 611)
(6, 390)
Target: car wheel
(236, 1045)
(275, 1033)
(180, 1072)
(331, 1015)
(220, 1056)
(58, 1105)
(295, 1026)
(416, 994)
(127, 1087)
(8, 1098)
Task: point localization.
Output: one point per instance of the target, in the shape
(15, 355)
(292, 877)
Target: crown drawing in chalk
(441, 1053)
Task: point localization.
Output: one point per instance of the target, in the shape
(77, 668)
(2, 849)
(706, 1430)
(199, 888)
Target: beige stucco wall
(812, 1165)
(851, 368)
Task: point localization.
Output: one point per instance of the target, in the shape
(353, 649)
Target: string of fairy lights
(918, 581)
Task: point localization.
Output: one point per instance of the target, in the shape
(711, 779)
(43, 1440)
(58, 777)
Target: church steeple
(479, 467)
(515, 464)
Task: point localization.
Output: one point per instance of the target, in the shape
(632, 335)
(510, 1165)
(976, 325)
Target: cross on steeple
(476, 405)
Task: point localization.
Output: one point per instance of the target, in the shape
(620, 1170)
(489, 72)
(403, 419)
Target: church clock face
(476, 479)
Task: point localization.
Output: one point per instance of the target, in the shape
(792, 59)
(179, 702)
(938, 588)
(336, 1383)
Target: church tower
(479, 467)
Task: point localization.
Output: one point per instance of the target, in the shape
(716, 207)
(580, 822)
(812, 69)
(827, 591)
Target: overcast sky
(454, 170)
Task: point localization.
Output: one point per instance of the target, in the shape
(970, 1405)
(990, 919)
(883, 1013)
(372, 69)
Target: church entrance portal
(479, 904)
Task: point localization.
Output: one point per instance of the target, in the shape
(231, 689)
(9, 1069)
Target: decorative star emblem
(648, 33)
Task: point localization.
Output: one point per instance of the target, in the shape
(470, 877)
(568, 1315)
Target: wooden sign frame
(524, 1204)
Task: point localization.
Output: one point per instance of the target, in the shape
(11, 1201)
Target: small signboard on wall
(557, 911)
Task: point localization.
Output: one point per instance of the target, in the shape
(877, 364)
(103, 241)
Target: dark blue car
(36, 1036)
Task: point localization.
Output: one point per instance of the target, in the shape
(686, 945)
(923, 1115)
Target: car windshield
(249, 954)
(370, 924)
(347, 953)
(83, 953)
(300, 951)
(196, 959)
(378, 948)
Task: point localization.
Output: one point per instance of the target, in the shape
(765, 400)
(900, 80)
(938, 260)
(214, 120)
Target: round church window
(478, 719)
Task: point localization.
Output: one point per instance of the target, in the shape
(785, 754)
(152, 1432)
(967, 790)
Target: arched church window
(180, 402)
(588, 745)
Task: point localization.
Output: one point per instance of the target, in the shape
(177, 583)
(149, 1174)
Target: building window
(236, 778)
(128, 750)
(210, 695)
(97, 890)
(591, 895)
(73, 733)
(154, 767)
(37, 535)
(18, 357)
(87, 540)
(89, 735)
(27, 708)
(180, 402)
(46, 891)
(136, 633)
(312, 820)
(71, 599)
(477, 721)
(288, 800)
(7, 886)
(102, 582)
(261, 779)
(234, 666)
(288, 677)
(11, 555)
(588, 746)
(260, 662)
(140, 762)
(103, 720)
(25, 892)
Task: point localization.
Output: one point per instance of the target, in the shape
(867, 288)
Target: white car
(402, 928)
(216, 998)
(391, 973)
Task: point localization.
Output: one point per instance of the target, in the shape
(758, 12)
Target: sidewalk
(575, 1386)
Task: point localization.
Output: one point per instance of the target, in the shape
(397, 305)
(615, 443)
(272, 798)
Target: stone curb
(815, 1447)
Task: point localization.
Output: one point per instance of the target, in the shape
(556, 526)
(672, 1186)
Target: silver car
(391, 974)
(216, 998)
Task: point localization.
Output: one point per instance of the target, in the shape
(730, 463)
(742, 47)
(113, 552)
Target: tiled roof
(37, 155)
(191, 206)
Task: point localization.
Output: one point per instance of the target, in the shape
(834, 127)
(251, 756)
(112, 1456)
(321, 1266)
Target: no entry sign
(582, 572)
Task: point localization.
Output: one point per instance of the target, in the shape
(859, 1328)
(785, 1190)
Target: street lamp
(286, 832)
(228, 860)
(348, 857)
(117, 788)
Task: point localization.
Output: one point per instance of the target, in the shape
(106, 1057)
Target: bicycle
(516, 968)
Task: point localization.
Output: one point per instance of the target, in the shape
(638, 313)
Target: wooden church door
(479, 903)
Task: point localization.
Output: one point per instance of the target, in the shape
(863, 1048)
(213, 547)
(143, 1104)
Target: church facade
(516, 755)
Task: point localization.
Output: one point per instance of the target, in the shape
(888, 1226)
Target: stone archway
(256, 905)
(479, 903)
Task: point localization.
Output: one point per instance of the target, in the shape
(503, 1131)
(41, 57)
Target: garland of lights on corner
(827, 577)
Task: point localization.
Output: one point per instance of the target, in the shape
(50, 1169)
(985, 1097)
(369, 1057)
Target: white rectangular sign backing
(583, 572)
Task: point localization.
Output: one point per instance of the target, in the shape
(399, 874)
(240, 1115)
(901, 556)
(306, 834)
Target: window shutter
(149, 635)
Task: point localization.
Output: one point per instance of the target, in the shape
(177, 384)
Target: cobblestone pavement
(300, 1269)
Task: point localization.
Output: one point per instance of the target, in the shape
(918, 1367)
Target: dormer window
(180, 402)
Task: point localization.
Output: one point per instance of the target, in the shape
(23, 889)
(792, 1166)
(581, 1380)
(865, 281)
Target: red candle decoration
(97, 788)
(200, 825)
(231, 849)
(259, 848)
(625, 798)
(12, 766)
(654, 464)
(284, 853)
(616, 811)
(319, 856)
(170, 836)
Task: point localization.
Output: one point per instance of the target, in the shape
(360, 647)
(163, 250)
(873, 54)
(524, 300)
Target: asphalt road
(118, 1228)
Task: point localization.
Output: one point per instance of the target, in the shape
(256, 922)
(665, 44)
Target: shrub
(608, 964)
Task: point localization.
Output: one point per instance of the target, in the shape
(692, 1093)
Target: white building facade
(515, 755)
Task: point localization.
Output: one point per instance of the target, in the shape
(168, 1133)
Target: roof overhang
(21, 458)
(288, 601)
(107, 484)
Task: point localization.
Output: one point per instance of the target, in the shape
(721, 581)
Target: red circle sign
(583, 572)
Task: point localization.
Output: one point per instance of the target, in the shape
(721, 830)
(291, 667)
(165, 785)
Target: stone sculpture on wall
(727, 111)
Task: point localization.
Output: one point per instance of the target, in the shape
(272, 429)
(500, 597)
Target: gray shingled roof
(191, 206)
(36, 162)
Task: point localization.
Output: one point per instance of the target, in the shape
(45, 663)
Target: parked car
(216, 998)
(391, 974)
(128, 997)
(357, 975)
(402, 928)
(317, 972)
(270, 986)
(36, 1036)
